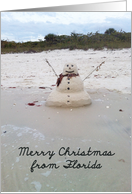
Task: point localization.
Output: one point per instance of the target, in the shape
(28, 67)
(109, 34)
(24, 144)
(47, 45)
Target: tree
(110, 31)
(50, 37)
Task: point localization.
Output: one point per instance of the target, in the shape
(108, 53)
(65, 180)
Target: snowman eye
(67, 65)
(72, 65)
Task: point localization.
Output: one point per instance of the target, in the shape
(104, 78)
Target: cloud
(63, 17)
(24, 26)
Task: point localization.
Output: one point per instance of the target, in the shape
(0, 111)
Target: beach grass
(96, 41)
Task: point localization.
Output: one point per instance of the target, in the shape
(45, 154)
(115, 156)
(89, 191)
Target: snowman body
(70, 90)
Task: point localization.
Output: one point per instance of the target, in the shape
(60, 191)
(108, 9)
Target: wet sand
(104, 126)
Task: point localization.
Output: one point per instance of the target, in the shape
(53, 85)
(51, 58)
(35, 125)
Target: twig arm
(51, 67)
(96, 69)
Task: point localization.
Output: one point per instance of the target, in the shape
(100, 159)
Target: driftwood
(96, 69)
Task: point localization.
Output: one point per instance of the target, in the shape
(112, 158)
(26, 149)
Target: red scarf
(61, 77)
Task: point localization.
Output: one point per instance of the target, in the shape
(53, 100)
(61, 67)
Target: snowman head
(70, 69)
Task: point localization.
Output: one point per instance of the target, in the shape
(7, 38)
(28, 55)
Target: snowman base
(62, 99)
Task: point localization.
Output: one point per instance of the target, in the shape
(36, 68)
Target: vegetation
(111, 39)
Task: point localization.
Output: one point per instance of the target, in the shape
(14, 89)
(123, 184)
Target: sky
(32, 26)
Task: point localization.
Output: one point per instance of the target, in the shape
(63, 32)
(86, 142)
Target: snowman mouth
(70, 71)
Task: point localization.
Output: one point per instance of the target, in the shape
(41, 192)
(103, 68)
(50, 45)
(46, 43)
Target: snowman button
(68, 78)
(68, 88)
(68, 82)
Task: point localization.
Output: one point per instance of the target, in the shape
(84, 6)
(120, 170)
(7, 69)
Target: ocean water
(31, 169)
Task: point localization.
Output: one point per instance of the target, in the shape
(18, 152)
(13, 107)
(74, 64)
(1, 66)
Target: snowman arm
(51, 67)
(96, 69)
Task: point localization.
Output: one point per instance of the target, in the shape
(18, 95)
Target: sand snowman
(69, 91)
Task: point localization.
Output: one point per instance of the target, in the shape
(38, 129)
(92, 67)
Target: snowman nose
(69, 67)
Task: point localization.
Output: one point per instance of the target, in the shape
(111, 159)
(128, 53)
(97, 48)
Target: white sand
(105, 125)
(30, 70)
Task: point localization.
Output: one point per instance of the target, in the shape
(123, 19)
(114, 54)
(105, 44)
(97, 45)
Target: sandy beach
(85, 149)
